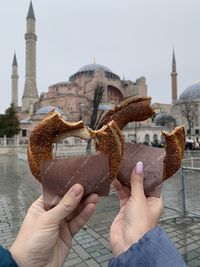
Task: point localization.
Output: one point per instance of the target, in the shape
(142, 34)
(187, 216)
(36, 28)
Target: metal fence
(14, 141)
(23, 141)
(181, 193)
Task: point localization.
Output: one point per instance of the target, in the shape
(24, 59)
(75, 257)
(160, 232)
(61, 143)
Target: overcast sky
(131, 37)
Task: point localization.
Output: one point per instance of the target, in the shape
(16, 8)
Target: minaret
(174, 79)
(30, 95)
(14, 79)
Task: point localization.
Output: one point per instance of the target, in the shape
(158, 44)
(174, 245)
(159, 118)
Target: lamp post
(135, 132)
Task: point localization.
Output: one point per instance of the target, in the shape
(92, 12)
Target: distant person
(45, 237)
(196, 145)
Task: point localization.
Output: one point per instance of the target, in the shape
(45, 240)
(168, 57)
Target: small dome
(94, 67)
(47, 109)
(191, 92)
(25, 120)
(164, 119)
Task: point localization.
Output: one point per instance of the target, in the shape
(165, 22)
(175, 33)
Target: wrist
(122, 247)
(15, 255)
(130, 239)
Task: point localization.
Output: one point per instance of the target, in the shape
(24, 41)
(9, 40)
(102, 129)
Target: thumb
(137, 188)
(67, 204)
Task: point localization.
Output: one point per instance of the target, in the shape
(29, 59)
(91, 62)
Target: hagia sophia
(74, 98)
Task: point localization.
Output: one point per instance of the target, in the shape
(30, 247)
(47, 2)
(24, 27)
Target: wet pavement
(18, 189)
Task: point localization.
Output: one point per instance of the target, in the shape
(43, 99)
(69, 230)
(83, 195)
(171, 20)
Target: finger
(93, 198)
(123, 192)
(80, 220)
(37, 207)
(67, 204)
(120, 187)
(137, 188)
(38, 202)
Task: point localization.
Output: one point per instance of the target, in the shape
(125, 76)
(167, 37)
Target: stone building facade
(75, 97)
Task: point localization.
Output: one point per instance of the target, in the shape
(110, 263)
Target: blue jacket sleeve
(155, 249)
(6, 259)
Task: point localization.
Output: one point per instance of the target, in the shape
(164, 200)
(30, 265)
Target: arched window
(114, 94)
(24, 132)
(147, 138)
(155, 137)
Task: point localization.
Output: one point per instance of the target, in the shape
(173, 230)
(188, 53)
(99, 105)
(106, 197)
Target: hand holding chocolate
(114, 159)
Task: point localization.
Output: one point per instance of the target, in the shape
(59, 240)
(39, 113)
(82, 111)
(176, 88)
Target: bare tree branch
(98, 95)
(97, 100)
(188, 110)
(98, 120)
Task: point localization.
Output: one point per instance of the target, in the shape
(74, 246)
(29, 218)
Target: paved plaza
(18, 190)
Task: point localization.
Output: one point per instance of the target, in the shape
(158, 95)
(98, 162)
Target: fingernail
(76, 190)
(139, 168)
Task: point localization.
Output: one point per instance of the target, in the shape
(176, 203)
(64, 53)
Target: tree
(9, 123)
(2, 125)
(189, 111)
(95, 117)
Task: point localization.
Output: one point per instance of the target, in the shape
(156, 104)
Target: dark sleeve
(6, 259)
(155, 249)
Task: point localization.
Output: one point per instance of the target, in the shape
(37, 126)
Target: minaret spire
(173, 58)
(174, 78)
(31, 14)
(14, 60)
(14, 82)
(30, 95)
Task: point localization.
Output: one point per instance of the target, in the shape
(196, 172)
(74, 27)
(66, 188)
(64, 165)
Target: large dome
(191, 92)
(90, 69)
(94, 67)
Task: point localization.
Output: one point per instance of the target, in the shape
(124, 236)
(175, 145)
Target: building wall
(139, 132)
(162, 107)
(69, 97)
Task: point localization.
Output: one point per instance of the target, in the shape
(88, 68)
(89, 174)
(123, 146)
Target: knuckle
(67, 205)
